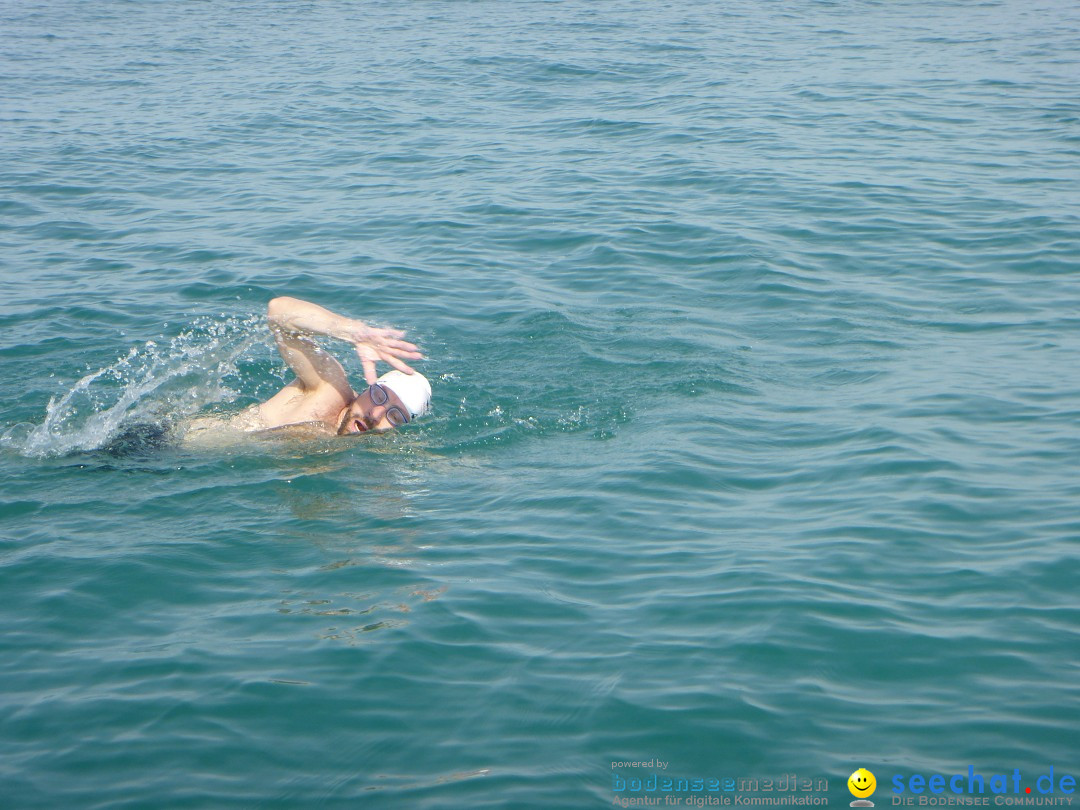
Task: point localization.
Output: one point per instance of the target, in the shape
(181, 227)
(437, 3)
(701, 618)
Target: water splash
(152, 383)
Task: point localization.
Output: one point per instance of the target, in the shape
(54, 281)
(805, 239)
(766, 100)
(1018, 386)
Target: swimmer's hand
(373, 343)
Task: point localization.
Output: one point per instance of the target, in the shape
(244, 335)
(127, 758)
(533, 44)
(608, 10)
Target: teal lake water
(753, 330)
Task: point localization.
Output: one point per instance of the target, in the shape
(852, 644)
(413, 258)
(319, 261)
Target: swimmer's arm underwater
(293, 323)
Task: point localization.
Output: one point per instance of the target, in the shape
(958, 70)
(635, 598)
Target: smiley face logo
(862, 783)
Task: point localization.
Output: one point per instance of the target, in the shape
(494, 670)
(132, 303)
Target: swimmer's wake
(150, 384)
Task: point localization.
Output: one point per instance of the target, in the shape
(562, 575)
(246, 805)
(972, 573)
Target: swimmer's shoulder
(249, 420)
(225, 429)
(220, 429)
(253, 420)
(300, 430)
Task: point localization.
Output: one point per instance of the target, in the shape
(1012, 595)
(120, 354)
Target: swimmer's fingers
(377, 344)
(369, 371)
(398, 364)
(386, 339)
(412, 355)
(385, 332)
(367, 356)
(388, 346)
(402, 346)
(377, 334)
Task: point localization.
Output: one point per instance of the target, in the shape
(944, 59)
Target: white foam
(149, 382)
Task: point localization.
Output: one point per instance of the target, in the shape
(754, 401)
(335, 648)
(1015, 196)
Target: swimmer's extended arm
(295, 322)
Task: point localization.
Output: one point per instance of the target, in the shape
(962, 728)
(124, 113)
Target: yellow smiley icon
(862, 783)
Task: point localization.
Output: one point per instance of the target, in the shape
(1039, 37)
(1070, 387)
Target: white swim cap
(413, 390)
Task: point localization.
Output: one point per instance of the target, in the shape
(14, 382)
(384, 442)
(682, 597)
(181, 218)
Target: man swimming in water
(321, 399)
(321, 390)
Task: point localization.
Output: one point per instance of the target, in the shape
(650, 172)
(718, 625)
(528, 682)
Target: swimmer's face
(362, 414)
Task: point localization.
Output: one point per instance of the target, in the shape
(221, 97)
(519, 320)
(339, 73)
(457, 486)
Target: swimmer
(320, 400)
